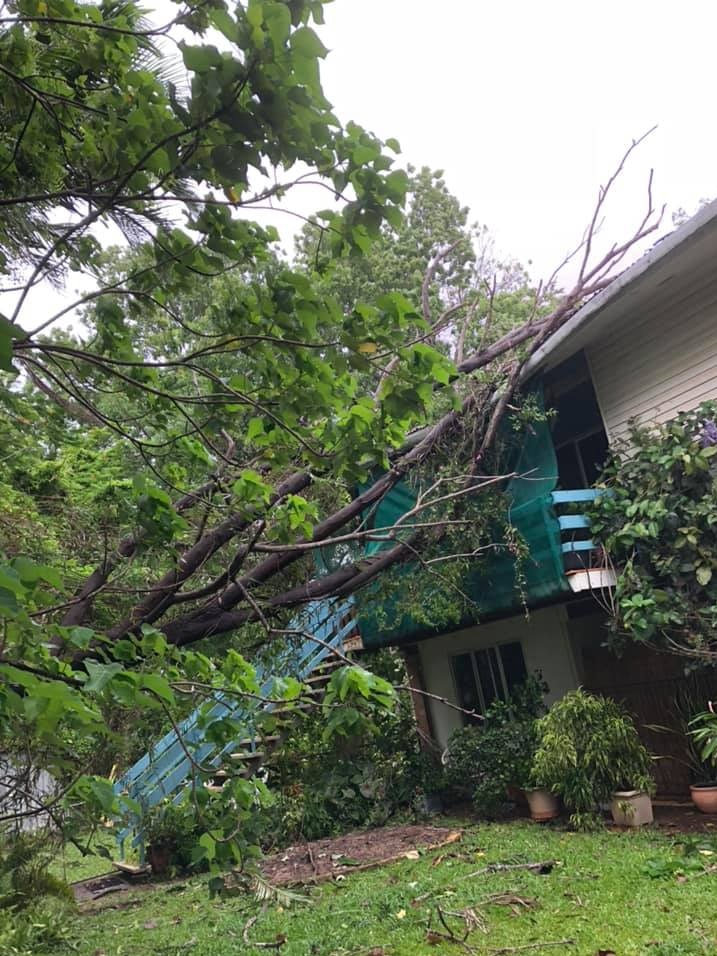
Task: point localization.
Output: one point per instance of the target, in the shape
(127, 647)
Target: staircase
(167, 770)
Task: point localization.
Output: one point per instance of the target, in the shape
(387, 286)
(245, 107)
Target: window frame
(504, 691)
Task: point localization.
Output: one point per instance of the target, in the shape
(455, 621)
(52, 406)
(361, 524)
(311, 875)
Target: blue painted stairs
(167, 770)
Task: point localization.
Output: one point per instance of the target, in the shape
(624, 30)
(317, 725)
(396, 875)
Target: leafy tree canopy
(175, 460)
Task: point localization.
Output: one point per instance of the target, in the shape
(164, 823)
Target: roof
(676, 261)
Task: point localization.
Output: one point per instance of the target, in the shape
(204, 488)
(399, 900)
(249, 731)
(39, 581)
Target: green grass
(72, 865)
(599, 896)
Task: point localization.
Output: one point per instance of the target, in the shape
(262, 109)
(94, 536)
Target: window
(579, 438)
(487, 675)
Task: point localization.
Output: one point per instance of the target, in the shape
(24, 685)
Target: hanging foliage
(659, 525)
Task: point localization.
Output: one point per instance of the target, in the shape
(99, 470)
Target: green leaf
(278, 23)
(305, 42)
(209, 845)
(10, 581)
(9, 606)
(224, 23)
(30, 572)
(255, 14)
(255, 428)
(100, 675)
(200, 59)
(703, 575)
(158, 686)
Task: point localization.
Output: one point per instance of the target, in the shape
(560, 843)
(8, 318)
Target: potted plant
(168, 829)
(589, 753)
(682, 720)
(491, 763)
(543, 804)
(703, 728)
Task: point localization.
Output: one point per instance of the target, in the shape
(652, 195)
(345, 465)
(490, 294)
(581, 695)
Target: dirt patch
(339, 856)
(684, 819)
(99, 886)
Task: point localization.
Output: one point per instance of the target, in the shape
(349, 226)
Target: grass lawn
(599, 896)
(72, 865)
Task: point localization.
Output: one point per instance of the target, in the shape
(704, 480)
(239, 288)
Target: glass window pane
(514, 669)
(464, 677)
(485, 675)
(495, 670)
(593, 451)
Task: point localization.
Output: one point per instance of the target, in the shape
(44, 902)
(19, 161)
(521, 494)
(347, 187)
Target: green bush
(324, 787)
(484, 760)
(658, 525)
(588, 748)
(35, 906)
(703, 730)
(176, 827)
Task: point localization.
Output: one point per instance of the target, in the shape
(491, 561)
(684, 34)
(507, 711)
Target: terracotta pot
(704, 797)
(543, 804)
(631, 808)
(158, 857)
(516, 795)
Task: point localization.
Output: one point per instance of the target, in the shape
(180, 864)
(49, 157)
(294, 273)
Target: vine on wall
(659, 525)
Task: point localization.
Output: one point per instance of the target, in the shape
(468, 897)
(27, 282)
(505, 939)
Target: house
(645, 348)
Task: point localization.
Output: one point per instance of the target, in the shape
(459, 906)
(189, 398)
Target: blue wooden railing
(574, 528)
(168, 767)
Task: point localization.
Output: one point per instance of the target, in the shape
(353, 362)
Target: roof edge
(661, 251)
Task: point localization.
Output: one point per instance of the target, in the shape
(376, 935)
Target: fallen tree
(240, 404)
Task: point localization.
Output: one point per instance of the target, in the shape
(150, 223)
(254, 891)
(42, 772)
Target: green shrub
(325, 787)
(589, 748)
(35, 906)
(658, 525)
(485, 759)
(176, 827)
(43, 926)
(24, 873)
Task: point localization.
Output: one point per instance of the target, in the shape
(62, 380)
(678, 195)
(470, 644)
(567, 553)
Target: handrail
(164, 771)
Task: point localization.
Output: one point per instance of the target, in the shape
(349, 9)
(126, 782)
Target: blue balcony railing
(575, 528)
(586, 563)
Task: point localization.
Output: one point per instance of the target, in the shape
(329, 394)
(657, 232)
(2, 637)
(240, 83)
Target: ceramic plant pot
(158, 856)
(704, 797)
(631, 808)
(543, 804)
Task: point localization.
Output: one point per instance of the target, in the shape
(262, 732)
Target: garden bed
(337, 856)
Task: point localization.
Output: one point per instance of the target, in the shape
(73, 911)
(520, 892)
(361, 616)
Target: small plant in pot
(703, 729)
(589, 753)
(542, 803)
(169, 833)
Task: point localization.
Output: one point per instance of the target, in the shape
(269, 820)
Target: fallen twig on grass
(504, 950)
(276, 944)
(434, 937)
(545, 867)
(542, 868)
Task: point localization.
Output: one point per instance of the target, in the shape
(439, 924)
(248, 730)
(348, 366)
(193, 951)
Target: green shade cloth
(493, 584)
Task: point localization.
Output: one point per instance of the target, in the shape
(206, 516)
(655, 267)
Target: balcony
(587, 567)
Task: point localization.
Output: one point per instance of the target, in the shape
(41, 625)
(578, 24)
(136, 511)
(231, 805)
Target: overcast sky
(528, 106)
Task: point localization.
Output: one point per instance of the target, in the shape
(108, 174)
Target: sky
(527, 108)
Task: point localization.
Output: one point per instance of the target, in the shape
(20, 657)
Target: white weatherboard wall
(661, 362)
(546, 647)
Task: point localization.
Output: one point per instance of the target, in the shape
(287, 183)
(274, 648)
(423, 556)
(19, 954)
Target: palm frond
(266, 892)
